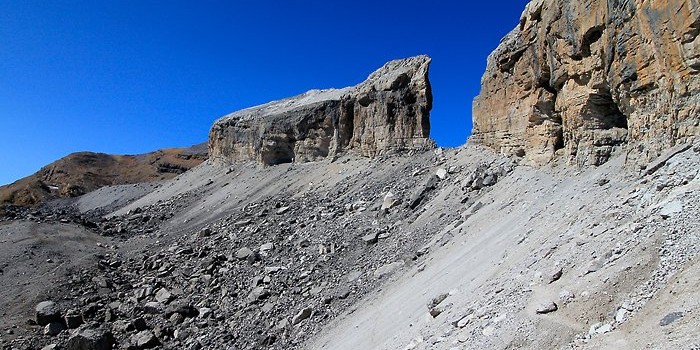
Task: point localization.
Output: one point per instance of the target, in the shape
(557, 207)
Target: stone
(371, 238)
(441, 174)
(54, 328)
(205, 312)
(621, 315)
(600, 87)
(50, 347)
(282, 210)
(145, 340)
(342, 292)
(554, 275)
(73, 320)
(163, 296)
(176, 318)
(387, 113)
(257, 294)
(302, 315)
(90, 339)
(671, 208)
(205, 232)
(670, 318)
(282, 324)
(434, 305)
(546, 308)
(154, 307)
(390, 201)
(47, 312)
(602, 328)
(489, 180)
(266, 247)
(387, 269)
(464, 321)
(181, 308)
(566, 296)
(244, 253)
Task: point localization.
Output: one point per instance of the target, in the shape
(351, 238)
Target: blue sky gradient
(133, 76)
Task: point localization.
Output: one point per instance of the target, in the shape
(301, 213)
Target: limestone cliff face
(388, 112)
(583, 78)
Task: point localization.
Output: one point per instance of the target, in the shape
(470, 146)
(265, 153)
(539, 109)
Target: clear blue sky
(133, 76)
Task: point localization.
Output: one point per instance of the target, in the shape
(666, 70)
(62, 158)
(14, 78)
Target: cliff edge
(581, 79)
(388, 112)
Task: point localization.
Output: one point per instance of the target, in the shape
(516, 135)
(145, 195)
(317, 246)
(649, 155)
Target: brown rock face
(584, 78)
(82, 172)
(389, 112)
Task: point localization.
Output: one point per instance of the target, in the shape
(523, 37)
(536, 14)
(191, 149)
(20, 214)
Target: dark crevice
(606, 112)
(592, 35)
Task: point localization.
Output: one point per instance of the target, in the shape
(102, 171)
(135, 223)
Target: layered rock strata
(389, 112)
(583, 78)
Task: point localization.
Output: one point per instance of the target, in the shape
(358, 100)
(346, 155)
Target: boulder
(90, 339)
(47, 312)
(54, 328)
(302, 315)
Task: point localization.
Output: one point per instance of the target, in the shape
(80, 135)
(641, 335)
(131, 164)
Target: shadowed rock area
(387, 113)
(581, 79)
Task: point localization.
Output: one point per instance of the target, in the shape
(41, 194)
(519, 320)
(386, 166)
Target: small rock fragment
(390, 201)
(371, 238)
(146, 340)
(163, 296)
(302, 315)
(244, 253)
(154, 307)
(670, 318)
(554, 275)
(547, 308)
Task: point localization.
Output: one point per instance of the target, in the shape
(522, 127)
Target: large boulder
(581, 79)
(90, 339)
(47, 312)
(388, 112)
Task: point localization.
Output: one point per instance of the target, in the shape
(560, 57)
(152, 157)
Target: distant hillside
(82, 172)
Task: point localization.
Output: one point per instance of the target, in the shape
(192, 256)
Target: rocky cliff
(581, 79)
(386, 113)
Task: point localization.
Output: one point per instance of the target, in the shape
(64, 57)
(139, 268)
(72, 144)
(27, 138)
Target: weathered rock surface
(587, 77)
(388, 112)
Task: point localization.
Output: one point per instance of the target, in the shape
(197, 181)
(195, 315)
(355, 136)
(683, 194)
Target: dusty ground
(486, 243)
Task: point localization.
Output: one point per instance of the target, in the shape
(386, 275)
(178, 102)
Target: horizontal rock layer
(388, 112)
(583, 78)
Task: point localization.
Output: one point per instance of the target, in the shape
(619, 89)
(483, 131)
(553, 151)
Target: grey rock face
(388, 112)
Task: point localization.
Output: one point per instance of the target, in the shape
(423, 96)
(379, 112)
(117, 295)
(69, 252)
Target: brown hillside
(82, 172)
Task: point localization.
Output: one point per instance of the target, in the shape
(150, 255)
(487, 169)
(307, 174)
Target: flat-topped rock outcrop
(389, 112)
(583, 78)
